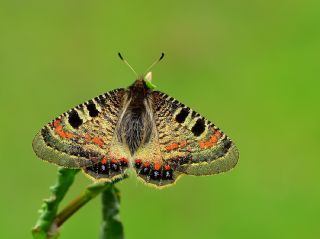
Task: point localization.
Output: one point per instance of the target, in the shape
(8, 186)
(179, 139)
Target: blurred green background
(252, 67)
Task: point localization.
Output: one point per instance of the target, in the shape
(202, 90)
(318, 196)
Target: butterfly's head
(142, 84)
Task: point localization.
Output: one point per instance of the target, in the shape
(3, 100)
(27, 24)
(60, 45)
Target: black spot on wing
(198, 127)
(183, 114)
(155, 175)
(167, 174)
(98, 168)
(74, 119)
(93, 112)
(145, 170)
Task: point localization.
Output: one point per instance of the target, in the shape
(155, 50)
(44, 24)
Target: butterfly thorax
(135, 126)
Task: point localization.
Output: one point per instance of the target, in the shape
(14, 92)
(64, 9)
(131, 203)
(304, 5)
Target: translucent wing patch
(83, 137)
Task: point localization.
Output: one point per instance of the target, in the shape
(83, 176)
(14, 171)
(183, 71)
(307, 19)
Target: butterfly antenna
(120, 56)
(156, 62)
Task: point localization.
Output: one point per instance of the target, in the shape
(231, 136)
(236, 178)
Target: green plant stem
(49, 207)
(90, 192)
(111, 226)
(69, 210)
(49, 222)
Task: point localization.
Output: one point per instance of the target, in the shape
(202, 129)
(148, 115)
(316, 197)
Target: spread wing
(83, 136)
(183, 142)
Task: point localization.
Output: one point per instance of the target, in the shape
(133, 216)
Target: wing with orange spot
(182, 142)
(83, 136)
(150, 165)
(188, 142)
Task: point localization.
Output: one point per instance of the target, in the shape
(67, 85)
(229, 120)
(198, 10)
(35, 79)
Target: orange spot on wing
(69, 135)
(157, 165)
(114, 161)
(167, 167)
(138, 161)
(183, 143)
(104, 161)
(87, 137)
(98, 141)
(146, 164)
(124, 160)
(174, 146)
(56, 123)
(204, 144)
(59, 130)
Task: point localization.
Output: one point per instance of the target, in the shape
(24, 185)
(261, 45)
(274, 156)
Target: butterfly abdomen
(135, 125)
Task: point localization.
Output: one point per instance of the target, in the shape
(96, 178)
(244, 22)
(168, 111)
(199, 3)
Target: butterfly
(136, 128)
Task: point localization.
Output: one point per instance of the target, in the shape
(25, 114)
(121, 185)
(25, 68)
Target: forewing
(189, 143)
(82, 137)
